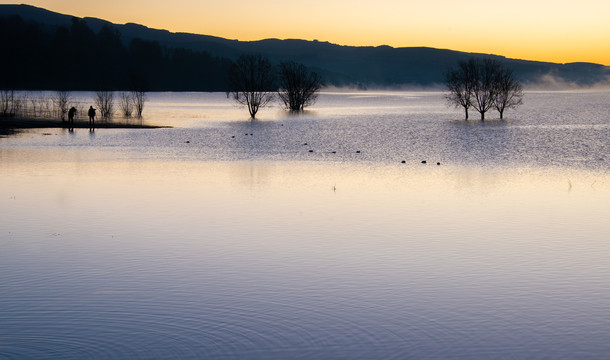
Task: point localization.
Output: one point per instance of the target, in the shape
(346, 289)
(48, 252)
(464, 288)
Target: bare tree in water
(104, 102)
(251, 82)
(126, 104)
(139, 85)
(509, 93)
(61, 100)
(139, 98)
(483, 85)
(7, 103)
(459, 82)
(298, 86)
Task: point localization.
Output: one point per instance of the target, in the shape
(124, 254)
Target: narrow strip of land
(16, 123)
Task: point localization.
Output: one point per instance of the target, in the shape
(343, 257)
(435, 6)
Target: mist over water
(227, 238)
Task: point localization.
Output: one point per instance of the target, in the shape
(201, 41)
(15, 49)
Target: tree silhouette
(482, 84)
(459, 83)
(126, 103)
(104, 102)
(61, 100)
(139, 98)
(7, 103)
(251, 82)
(509, 93)
(298, 86)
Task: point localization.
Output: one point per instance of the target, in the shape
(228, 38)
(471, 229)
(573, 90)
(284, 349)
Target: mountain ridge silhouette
(339, 65)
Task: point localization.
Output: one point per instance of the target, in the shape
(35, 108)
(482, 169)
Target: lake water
(307, 236)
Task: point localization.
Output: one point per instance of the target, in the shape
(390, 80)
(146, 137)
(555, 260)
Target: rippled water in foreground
(190, 243)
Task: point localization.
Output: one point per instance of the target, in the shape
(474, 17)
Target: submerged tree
(251, 82)
(61, 102)
(126, 104)
(7, 103)
(139, 85)
(139, 98)
(459, 84)
(298, 86)
(509, 93)
(104, 102)
(482, 85)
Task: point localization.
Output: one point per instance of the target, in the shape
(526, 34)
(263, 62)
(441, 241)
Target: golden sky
(544, 30)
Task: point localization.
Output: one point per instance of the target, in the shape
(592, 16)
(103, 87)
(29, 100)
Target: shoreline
(19, 123)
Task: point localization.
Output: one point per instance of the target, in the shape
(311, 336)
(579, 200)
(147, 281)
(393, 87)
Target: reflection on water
(137, 244)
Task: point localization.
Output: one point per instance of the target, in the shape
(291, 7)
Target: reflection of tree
(251, 82)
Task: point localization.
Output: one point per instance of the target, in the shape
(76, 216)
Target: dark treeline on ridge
(37, 56)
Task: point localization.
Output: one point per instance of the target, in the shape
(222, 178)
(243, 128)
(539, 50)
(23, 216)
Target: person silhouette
(71, 114)
(91, 114)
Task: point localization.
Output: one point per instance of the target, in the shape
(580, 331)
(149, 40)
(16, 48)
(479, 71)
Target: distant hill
(381, 66)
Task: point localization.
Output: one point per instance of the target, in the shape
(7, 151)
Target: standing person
(91, 115)
(71, 114)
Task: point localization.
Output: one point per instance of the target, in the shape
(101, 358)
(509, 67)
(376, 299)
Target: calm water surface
(203, 241)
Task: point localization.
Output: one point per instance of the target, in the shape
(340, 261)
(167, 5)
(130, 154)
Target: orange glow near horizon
(555, 31)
